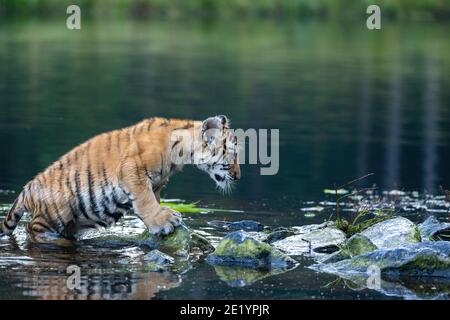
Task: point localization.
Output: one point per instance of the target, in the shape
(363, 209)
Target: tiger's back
(95, 183)
(80, 189)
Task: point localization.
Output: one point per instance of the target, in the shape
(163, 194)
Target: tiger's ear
(213, 127)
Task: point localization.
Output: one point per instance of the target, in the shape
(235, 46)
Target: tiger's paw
(165, 221)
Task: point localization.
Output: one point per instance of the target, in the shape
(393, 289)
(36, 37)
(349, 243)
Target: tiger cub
(97, 182)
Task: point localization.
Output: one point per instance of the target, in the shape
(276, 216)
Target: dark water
(347, 102)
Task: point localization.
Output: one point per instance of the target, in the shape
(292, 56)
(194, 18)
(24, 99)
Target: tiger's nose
(236, 175)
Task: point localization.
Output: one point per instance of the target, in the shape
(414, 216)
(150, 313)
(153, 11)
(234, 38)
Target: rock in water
(356, 245)
(240, 249)
(432, 229)
(392, 233)
(279, 234)
(312, 241)
(157, 261)
(418, 259)
(181, 242)
(247, 225)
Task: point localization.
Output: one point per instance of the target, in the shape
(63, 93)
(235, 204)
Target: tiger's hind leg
(40, 232)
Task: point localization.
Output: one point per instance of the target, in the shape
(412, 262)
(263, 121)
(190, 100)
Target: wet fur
(97, 182)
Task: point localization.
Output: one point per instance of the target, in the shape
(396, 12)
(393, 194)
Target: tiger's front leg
(158, 220)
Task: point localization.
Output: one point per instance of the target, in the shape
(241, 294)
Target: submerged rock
(240, 249)
(312, 242)
(279, 234)
(246, 225)
(432, 229)
(418, 259)
(392, 233)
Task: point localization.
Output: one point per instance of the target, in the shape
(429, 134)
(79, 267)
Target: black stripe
(37, 223)
(79, 196)
(5, 223)
(47, 215)
(175, 144)
(92, 199)
(58, 216)
(103, 185)
(165, 123)
(73, 211)
(118, 140)
(185, 127)
(108, 143)
(101, 223)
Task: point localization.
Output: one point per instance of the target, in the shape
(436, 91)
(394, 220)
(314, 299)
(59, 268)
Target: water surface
(347, 102)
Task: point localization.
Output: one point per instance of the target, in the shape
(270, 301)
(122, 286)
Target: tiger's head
(216, 152)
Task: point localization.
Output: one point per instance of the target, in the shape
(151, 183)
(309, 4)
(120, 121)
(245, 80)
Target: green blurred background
(327, 9)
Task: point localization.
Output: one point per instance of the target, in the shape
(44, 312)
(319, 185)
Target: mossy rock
(431, 229)
(240, 249)
(279, 234)
(180, 242)
(392, 233)
(312, 241)
(356, 245)
(418, 259)
(156, 260)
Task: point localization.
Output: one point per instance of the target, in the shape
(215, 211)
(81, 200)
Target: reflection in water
(394, 130)
(40, 270)
(431, 123)
(364, 117)
(344, 100)
(138, 286)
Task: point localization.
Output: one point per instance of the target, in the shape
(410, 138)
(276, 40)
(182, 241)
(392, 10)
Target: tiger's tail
(13, 217)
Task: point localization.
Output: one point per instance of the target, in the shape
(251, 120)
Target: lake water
(347, 101)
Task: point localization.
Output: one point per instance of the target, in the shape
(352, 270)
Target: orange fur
(98, 181)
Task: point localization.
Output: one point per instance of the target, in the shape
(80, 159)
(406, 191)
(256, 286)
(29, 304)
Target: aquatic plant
(364, 217)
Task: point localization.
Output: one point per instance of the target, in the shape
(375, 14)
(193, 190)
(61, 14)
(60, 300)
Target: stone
(356, 245)
(240, 249)
(158, 261)
(431, 229)
(416, 259)
(312, 241)
(392, 233)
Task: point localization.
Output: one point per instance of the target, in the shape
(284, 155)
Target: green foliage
(332, 9)
(356, 226)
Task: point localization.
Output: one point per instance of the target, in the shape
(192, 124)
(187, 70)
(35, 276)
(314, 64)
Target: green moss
(427, 262)
(248, 248)
(356, 245)
(415, 235)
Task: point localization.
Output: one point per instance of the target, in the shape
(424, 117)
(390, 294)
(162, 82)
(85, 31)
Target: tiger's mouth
(219, 178)
(223, 180)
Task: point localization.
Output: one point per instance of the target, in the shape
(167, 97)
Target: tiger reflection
(137, 286)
